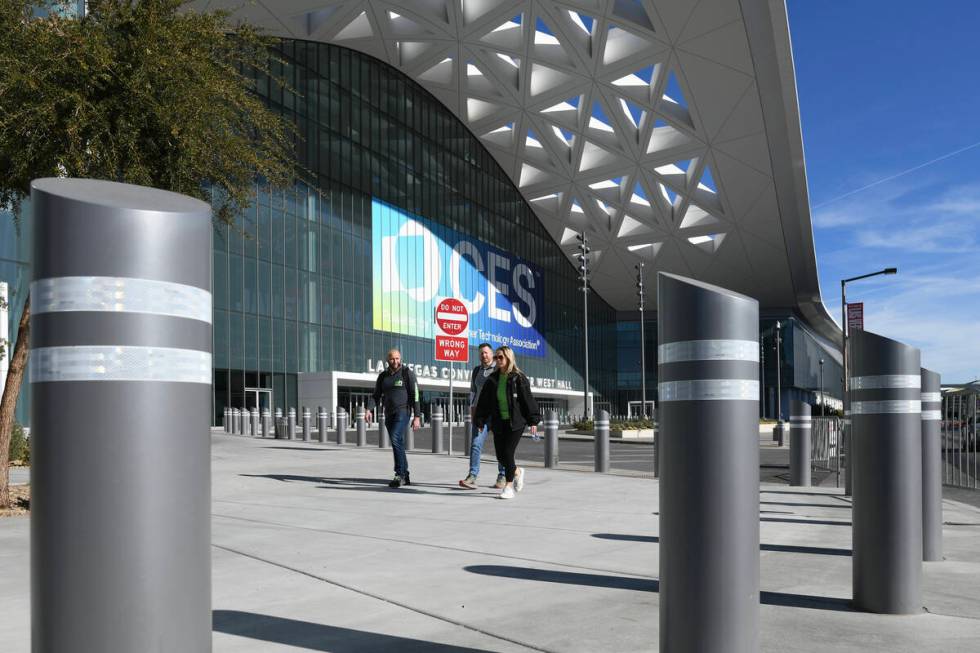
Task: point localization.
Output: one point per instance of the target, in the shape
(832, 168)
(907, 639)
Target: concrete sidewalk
(312, 552)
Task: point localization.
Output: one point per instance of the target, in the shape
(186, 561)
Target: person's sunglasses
(499, 357)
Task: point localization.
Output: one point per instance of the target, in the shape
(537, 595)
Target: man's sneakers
(501, 482)
(398, 481)
(519, 479)
(468, 483)
(407, 480)
(508, 492)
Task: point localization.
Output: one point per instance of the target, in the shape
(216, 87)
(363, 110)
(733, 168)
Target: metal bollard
(282, 428)
(409, 437)
(321, 424)
(383, 442)
(255, 423)
(266, 422)
(291, 424)
(225, 422)
(551, 439)
(708, 369)
(468, 433)
(307, 424)
(361, 425)
(243, 421)
(121, 292)
(886, 450)
(799, 443)
(437, 417)
(233, 415)
(341, 426)
(932, 470)
(601, 433)
(779, 433)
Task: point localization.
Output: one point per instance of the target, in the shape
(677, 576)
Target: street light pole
(643, 355)
(583, 268)
(844, 335)
(779, 381)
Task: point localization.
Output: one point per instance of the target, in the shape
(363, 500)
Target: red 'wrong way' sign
(452, 331)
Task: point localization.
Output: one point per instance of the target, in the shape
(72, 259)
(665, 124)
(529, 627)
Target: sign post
(452, 344)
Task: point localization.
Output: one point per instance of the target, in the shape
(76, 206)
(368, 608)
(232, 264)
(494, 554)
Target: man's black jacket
(520, 403)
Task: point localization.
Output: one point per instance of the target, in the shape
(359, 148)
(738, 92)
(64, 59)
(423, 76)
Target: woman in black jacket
(507, 405)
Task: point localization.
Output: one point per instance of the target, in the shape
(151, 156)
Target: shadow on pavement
(781, 548)
(819, 522)
(321, 637)
(805, 505)
(649, 585)
(360, 484)
(299, 448)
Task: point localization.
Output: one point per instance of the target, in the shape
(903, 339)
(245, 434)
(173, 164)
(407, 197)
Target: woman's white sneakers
(519, 479)
(507, 492)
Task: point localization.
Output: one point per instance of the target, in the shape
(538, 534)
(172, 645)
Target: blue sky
(890, 101)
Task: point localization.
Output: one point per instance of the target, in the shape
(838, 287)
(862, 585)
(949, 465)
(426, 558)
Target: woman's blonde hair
(509, 365)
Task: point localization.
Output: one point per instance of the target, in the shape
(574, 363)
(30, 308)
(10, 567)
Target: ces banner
(418, 262)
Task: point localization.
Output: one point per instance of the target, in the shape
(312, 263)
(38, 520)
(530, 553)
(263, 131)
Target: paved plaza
(312, 552)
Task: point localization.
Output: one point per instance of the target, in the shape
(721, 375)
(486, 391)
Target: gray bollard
(383, 441)
(278, 413)
(779, 433)
(409, 437)
(799, 443)
(120, 336)
(291, 424)
(233, 413)
(467, 433)
(307, 424)
(361, 425)
(550, 439)
(282, 428)
(932, 467)
(266, 422)
(341, 426)
(708, 368)
(437, 418)
(321, 424)
(244, 420)
(601, 433)
(256, 429)
(225, 422)
(886, 450)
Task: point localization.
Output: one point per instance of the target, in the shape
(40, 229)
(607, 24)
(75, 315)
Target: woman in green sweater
(506, 404)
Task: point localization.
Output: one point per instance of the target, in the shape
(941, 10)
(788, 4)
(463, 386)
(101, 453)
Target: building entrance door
(260, 398)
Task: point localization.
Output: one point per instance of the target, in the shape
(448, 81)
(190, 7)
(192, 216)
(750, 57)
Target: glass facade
(294, 280)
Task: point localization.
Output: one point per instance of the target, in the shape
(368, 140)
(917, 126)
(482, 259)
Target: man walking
(398, 391)
(479, 435)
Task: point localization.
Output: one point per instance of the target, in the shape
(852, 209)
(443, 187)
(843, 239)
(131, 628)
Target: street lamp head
(821, 361)
(891, 270)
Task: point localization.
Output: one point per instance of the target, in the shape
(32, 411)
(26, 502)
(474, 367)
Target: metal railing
(959, 440)
(825, 451)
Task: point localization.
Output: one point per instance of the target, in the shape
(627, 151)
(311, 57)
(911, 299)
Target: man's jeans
(396, 424)
(479, 437)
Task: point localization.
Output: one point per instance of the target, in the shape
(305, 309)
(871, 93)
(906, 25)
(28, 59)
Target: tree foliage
(136, 91)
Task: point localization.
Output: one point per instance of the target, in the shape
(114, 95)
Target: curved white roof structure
(668, 129)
